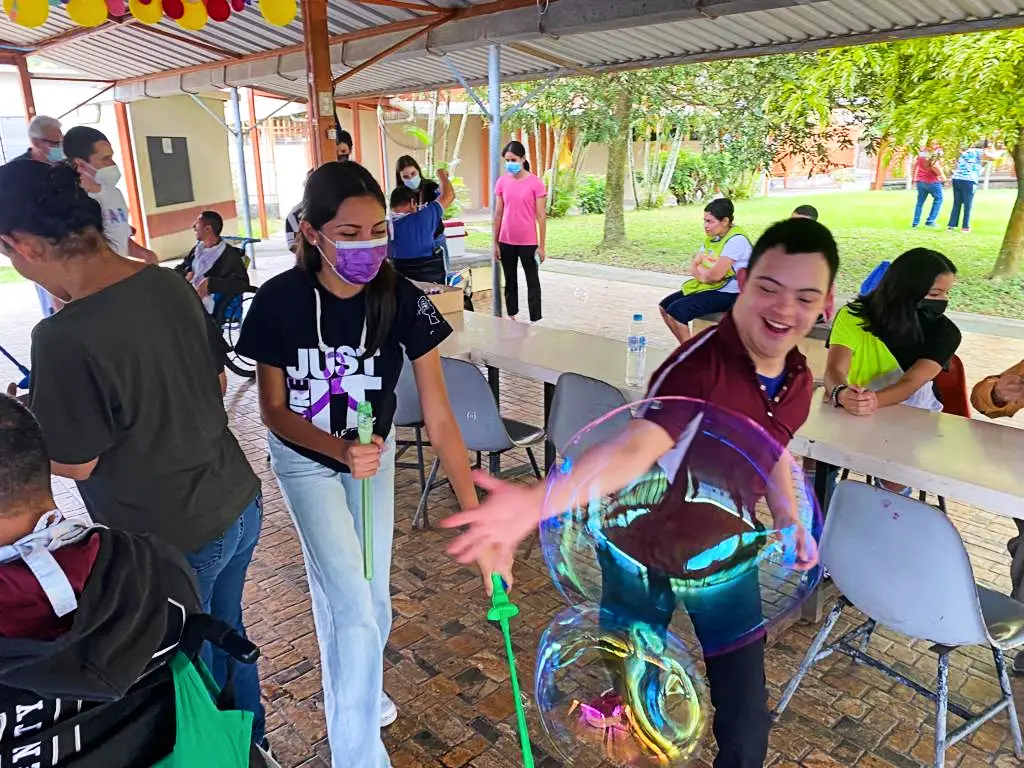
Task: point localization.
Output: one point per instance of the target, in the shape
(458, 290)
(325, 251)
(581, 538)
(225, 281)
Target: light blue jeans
(352, 615)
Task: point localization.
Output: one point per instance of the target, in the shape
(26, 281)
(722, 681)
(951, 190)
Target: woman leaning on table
(330, 333)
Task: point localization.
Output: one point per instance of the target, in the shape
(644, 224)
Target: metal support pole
(243, 182)
(494, 92)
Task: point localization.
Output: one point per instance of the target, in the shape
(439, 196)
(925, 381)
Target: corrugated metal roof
(574, 34)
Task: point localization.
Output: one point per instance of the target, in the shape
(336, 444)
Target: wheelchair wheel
(231, 316)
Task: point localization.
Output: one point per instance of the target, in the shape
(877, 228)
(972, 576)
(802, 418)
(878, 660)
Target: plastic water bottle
(636, 353)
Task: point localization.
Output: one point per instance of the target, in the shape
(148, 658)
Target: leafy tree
(955, 89)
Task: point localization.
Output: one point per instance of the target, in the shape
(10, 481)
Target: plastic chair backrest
(952, 387)
(408, 412)
(874, 278)
(578, 402)
(903, 563)
(474, 407)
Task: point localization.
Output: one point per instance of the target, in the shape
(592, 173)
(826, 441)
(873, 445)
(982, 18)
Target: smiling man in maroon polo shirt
(749, 364)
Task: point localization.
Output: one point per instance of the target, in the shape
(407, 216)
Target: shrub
(564, 197)
(591, 194)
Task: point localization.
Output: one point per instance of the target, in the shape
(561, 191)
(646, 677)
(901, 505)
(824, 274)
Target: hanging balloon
(87, 13)
(238, 5)
(27, 13)
(174, 9)
(194, 18)
(148, 13)
(219, 10)
(280, 13)
(116, 8)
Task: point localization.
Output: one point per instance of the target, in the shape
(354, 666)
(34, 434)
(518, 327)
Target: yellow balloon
(280, 13)
(87, 13)
(147, 13)
(195, 17)
(28, 13)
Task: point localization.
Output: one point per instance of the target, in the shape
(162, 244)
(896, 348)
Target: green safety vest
(714, 247)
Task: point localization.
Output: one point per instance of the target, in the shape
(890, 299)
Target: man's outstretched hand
(495, 528)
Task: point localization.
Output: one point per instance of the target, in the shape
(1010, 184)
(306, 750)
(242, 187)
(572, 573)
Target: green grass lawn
(8, 275)
(869, 226)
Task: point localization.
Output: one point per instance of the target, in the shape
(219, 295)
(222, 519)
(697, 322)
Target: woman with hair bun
(712, 286)
(125, 387)
(520, 229)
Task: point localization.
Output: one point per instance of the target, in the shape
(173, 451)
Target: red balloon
(174, 9)
(238, 5)
(218, 10)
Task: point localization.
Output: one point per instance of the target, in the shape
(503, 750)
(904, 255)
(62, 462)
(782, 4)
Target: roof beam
(347, 39)
(392, 48)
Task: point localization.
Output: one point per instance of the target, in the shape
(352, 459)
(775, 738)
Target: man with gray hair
(46, 141)
(46, 146)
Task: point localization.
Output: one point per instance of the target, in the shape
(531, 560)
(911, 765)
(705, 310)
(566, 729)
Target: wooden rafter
(443, 18)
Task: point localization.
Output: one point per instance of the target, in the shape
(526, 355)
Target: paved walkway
(444, 663)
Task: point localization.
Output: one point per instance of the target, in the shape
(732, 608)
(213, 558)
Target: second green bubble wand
(364, 423)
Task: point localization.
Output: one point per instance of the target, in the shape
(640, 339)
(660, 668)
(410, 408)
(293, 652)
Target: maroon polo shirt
(716, 482)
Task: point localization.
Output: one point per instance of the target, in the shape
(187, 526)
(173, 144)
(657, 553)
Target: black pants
(736, 677)
(511, 255)
(428, 270)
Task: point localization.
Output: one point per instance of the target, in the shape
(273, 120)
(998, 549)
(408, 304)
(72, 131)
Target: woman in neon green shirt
(712, 286)
(887, 347)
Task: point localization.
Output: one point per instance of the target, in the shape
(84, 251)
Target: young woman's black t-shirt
(326, 388)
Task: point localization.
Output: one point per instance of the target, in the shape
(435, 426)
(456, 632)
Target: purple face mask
(357, 263)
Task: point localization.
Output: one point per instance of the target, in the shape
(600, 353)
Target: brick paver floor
(444, 663)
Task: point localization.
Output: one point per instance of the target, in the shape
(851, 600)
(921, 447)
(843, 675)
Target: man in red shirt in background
(749, 364)
(929, 176)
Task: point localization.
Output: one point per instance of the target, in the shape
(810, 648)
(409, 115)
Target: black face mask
(932, 308)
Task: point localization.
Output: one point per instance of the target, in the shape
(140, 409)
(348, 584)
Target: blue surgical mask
(513, 167)
(413, 182)
(56, 155)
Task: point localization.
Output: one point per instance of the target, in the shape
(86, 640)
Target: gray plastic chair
(578, 402)
(409, 414)
(903, 564)
(484, 430)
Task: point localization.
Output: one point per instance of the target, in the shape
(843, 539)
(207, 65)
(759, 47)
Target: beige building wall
(169, 228)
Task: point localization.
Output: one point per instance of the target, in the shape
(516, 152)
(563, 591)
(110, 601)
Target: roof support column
(494, 94)
(319, 78)
(25, 81)
(257, 162)
(243, 180)
(357, 131)
(131, 173)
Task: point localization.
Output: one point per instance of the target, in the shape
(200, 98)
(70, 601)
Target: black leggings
(511, 255)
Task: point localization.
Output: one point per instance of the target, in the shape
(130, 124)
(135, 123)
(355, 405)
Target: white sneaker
(388, 711)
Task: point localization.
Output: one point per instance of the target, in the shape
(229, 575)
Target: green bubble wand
(502, 609)
(365, 425)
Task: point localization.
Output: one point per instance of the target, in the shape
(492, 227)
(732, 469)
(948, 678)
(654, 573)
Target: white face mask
(106, 177)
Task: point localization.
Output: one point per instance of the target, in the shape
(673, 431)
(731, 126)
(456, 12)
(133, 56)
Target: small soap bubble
(581, 295)
(471, 415)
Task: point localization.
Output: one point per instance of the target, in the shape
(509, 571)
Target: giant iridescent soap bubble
(700, 553)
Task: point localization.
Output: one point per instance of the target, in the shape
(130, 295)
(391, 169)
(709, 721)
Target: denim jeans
(220, 569)
(925, 190)
(352, 615)
(963, 197)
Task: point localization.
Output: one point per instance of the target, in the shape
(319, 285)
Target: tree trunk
(615, 189)
(670, 166)
(554, 168)
(431, 128)
(457, 151)
(1010, 253)
(882, 166)
(447, 128)
(631, 167)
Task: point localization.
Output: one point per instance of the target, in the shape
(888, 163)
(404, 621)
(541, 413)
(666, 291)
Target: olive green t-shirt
(128, 376)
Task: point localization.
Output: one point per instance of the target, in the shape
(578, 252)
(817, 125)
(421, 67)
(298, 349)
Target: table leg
(549, 447)
(814, 607)
(494, 459)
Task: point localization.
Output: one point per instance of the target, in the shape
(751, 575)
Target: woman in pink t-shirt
(520, 229)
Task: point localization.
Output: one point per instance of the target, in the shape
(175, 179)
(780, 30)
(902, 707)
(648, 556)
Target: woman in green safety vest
(712, 286)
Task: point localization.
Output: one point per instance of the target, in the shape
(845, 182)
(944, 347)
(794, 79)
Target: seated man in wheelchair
(214, 267)
(99, 635)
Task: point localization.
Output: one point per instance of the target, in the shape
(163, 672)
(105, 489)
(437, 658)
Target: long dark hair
(327, 188)
(49, 202)
(890, 311)
(517, 149)
(406, 161)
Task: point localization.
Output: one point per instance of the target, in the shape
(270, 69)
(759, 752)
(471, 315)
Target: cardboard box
(448, 299)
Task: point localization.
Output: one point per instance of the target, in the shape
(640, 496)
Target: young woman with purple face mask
(334, 331)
